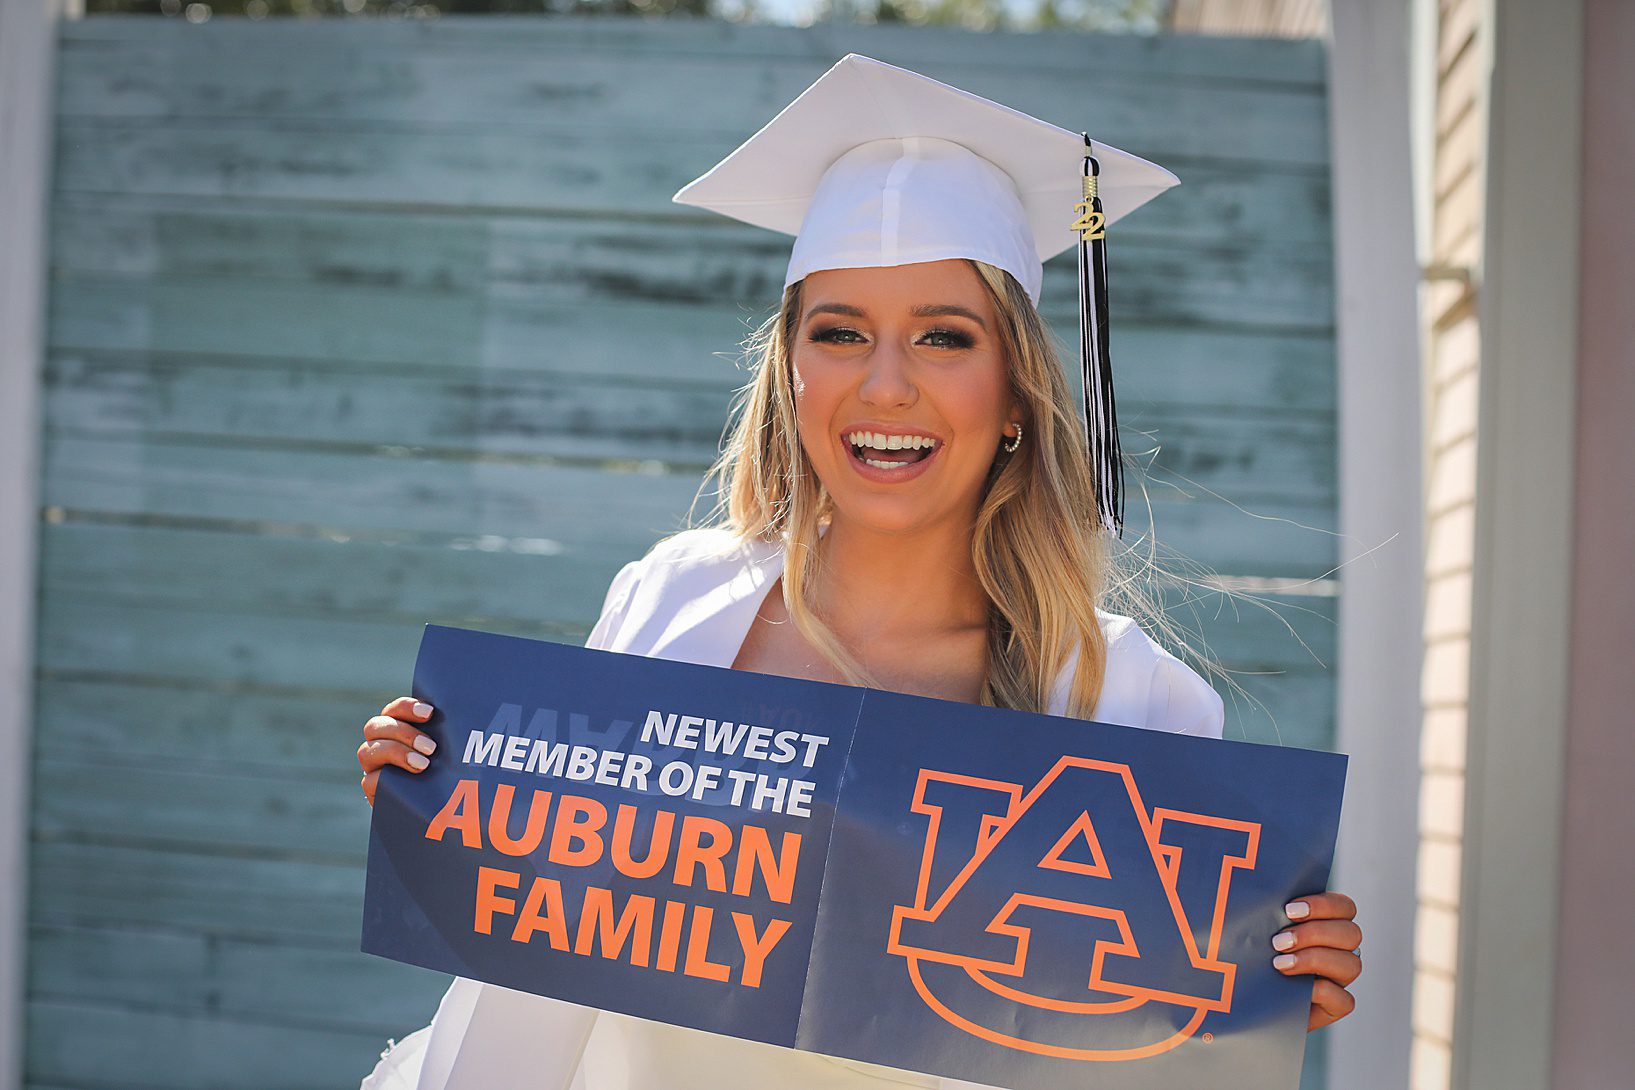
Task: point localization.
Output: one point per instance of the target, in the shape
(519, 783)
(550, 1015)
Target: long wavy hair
(1038, 548)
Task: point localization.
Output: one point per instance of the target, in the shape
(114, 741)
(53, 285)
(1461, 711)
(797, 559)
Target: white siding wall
(1454, 236)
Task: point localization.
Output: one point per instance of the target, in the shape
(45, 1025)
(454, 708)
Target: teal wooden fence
(355, 326)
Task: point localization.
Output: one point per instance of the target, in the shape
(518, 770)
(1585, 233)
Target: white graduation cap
(875, 165)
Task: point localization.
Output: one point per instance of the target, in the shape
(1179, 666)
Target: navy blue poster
(1019, 900)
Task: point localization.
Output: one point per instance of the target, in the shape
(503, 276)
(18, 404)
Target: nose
(887, 383)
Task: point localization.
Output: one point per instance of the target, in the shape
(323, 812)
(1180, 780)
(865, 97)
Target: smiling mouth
(888, 459)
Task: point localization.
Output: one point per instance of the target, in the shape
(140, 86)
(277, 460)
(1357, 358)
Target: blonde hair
(1037, 544)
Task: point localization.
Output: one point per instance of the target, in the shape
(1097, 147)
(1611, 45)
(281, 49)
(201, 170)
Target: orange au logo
(1065, 915)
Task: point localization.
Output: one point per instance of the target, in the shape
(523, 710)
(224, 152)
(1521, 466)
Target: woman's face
(910, 353)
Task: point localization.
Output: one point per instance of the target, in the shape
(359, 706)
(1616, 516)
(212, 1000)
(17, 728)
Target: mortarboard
(875, 165)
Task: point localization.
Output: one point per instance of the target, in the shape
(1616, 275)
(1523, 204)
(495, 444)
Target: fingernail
(1297, 910)
(1283, 961)
(418, 760)
(421, 709)
(424, 744)
(1283, 940)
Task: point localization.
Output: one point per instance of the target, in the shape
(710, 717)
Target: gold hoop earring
(1010, 448)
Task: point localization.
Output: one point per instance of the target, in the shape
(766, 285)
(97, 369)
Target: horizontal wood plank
(98, 884)
(98, 1046)
(335, 653)
(460, 580)
(474, 414)
(1230, 289)
(104, 333)
(619, 509)
(276, 983)
(301, 653)
(458, 168)
(293, 817)
(1268, 454)
(615, 510)
(341, 85)
(1165, 58)
(1249, 206)
(222, 571)
(192, 724)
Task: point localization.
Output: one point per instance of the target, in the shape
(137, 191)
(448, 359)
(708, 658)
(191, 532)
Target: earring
(1010, 448)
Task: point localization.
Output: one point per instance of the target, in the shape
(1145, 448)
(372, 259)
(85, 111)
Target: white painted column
(27, 55)
(1522, 586)
(1381, 550)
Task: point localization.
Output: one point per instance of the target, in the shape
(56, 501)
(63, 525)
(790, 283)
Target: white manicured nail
(418, 760)
(424, 744)
(1297, 910)
(1283, 940)
(1283, 961)
(421, 709)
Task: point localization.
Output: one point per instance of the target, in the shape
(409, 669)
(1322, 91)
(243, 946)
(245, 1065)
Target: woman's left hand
(1326, 942)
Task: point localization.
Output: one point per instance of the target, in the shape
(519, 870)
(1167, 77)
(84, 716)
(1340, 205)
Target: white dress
(692, 598)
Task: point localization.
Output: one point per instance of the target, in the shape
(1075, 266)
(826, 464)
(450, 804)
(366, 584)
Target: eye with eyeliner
(833, 335)
(956, 339)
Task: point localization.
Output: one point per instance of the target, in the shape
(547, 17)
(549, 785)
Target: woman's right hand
(390, 738)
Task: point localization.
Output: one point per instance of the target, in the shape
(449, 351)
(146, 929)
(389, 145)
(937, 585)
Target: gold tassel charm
(1091, 224)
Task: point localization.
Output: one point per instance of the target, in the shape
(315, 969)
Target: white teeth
(880, 441)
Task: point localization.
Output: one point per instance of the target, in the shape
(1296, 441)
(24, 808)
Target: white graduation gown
(692, 598)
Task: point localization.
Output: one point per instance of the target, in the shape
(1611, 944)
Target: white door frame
(1381, 527)
(28, 50)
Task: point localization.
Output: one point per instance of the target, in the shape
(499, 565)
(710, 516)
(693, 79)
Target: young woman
(905, 494)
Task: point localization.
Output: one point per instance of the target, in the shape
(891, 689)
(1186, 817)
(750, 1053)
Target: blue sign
(1022, 900)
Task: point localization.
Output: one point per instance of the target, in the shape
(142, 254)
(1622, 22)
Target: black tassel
(1100, 411)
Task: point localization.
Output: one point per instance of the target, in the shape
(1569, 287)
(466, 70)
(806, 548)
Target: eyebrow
(924, 310)
(936, 310)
